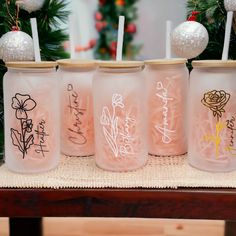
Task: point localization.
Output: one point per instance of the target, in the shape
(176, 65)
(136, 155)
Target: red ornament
(193, 16)
(92, 43)
(102, 2)
(195, 13)
(100, 25)
(98, 16)
(131, 28)
(79, 48)
(120, 3)
(113, 55)
(104, 23)
(113, 46)
(15, 28)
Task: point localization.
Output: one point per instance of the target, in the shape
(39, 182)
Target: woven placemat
(160, 172)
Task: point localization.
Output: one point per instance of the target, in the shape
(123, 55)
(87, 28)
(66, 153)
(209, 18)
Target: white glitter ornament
(16, 46)
(230, 5)
(189, 39)
(30, 5)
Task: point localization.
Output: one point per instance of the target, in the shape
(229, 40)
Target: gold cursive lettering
(230, 125)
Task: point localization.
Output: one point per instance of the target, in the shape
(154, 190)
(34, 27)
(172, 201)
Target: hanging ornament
(98, 16)
(193, 16)
(16, 46)
(131, 28)
(120, 3)
(189, 39)
(100, 25)
(113, 47)
(92, 43)
(230, 5)
(30, 5)
(102, 2)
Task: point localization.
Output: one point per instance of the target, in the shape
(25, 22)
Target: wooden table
(26, 207)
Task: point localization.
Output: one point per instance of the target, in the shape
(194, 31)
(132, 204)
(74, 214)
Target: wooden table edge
(188, 203)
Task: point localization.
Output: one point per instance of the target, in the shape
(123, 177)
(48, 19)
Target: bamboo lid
(73, 63)
(213, 63)
(171, 61)
(120, 64)
(31, 64)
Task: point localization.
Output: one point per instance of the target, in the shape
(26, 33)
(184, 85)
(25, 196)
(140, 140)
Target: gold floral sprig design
(216, 101)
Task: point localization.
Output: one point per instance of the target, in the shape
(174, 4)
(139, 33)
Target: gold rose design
(216, 101)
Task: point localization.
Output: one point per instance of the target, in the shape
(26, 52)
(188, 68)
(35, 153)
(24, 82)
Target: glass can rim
(120, 64)
(214, 64)
(76, 63)
(171, 61)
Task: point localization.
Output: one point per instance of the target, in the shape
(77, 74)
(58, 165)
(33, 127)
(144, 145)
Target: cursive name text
(163, 129)
(76, 134)
(127, 139)
(230, 125)
(41, 147)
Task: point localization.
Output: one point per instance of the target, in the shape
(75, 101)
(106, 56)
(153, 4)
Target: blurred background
(146, 22)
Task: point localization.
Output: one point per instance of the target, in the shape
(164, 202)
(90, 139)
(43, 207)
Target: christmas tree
(51, 37)
(107, 24)
(212, 15)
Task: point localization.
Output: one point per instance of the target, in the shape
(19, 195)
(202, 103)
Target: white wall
(150, 24)
(152, 21)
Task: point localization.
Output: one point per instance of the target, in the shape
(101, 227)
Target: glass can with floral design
(167, 84)
(212, 116)
(31, 111)
(120, 116)
(77, 132)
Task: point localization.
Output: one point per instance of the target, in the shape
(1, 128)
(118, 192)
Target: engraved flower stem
(23, 137)
(113, 115)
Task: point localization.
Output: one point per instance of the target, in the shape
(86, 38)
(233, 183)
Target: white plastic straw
(120, 38)
(228, 27)
(72, 35)
(34, 28)
(168, 40)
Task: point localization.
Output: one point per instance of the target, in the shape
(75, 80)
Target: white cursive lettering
(162, 93)
(127, 147)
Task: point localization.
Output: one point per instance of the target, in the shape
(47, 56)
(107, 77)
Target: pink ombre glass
(120, 116)
(212, 116)
(31, 116)
(167, 82)
(77, 132)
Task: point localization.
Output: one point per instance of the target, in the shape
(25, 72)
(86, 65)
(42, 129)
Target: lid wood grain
(31, 64)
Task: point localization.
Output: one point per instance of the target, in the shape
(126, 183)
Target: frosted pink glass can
(77, 129)
(212, 116)
(31, 110)
(120, 116)
(167, 83)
